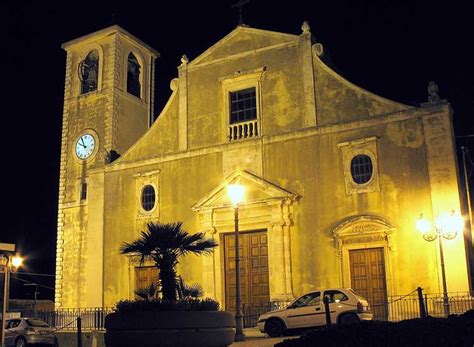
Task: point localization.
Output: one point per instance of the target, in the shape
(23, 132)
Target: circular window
(361, 168)
(148, 198)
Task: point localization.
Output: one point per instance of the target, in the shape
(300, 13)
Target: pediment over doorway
(257, 190)
(366, 224)
(363, 229)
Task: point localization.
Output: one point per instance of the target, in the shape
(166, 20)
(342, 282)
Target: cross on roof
(239, 5)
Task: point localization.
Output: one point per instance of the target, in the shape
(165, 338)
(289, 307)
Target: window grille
(148, 198)
(361, 169)
(243, 105)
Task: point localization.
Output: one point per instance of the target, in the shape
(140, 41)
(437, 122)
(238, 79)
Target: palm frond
(165, 243)
(199, 245)
(147, 293)
(194, 291)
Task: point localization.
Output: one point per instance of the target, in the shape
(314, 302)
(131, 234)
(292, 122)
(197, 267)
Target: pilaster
(62, 187)
(444, 183)
(309, 118)
(183, 104)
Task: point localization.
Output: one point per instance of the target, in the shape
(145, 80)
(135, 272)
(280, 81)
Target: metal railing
(66, 319)
(251, 313)
(394, 309)
(400, 307)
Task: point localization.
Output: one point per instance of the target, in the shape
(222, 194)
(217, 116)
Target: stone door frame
(363, 232)
(271, 211)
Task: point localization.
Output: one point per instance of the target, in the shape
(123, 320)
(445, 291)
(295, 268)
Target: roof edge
(234, 32)
(105, 32)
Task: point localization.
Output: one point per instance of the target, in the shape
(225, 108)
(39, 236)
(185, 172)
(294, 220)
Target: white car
(21, 332)
(345, 305)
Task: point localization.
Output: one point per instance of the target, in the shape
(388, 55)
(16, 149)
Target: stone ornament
(174, 84)
(318, 49)
(433, 92)
(184, 59)
(305, 27)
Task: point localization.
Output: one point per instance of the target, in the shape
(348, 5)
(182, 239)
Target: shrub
(186, 304)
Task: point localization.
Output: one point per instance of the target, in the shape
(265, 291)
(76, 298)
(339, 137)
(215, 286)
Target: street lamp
(7, 262)
(447, 226)
(236, 194)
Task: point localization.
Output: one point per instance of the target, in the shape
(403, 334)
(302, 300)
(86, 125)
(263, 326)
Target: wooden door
(144, 276)
(368, 278)
(254, 279)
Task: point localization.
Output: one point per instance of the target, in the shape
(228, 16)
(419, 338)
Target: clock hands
(83, 144)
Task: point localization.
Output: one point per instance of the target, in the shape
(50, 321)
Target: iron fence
(251, 313)
(395, 308)
(398, 307)
(66, 319)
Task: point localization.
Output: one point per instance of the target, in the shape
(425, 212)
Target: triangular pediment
(365, 224)
(243, 39)
(257, 190)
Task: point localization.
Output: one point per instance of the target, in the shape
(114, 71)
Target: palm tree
(164, 244)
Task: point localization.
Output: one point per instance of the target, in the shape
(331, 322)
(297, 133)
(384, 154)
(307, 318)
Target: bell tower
(108, 105)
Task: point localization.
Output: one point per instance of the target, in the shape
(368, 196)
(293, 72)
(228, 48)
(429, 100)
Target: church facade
(335, 177)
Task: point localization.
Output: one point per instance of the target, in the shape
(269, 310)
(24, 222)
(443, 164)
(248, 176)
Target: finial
(239, 4)
(433, 92)
(184, 59)
(305, 27)
(114, 20)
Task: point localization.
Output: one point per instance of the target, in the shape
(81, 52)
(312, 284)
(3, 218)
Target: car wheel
(20, 342)
(274, 328)
(348, 318)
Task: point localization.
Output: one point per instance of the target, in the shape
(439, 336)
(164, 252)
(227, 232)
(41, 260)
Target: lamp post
(7, 262)
(236, 195)
(447, 226)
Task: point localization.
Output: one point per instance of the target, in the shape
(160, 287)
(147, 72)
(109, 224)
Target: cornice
(398, 116)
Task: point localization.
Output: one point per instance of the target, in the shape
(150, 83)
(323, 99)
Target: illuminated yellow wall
(312, 121)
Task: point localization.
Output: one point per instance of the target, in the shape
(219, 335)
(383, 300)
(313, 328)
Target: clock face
(85, 146)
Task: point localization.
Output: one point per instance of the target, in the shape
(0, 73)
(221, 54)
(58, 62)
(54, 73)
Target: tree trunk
(167, 277)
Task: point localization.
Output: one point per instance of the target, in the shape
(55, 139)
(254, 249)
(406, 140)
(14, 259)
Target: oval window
(148, 198)
(361, 168)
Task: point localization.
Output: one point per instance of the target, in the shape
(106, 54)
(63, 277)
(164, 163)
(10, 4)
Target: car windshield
(37, 323)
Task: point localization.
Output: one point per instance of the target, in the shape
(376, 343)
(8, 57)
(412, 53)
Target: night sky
(388, 48)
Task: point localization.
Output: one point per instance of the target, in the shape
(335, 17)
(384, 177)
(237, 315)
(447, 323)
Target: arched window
(89, 72)
(133, 76)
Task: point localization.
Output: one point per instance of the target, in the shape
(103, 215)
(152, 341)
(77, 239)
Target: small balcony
(243, 130)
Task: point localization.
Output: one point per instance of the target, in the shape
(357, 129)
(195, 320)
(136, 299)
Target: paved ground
(254, 338)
